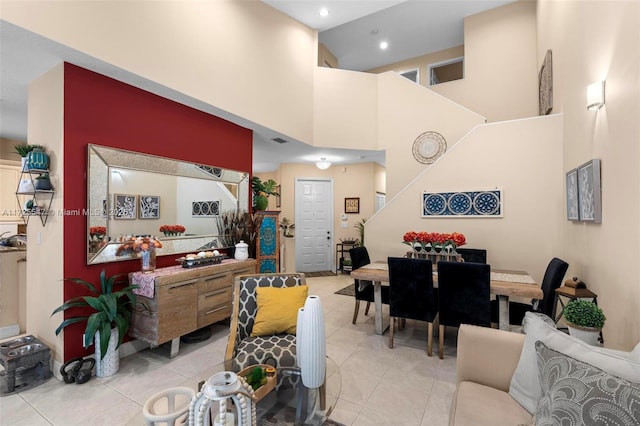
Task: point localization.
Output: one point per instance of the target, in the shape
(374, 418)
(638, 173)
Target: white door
(314, 224)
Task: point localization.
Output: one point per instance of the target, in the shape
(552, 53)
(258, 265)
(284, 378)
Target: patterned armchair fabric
(246, 350)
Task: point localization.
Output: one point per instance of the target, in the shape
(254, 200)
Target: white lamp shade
(311, 349)
(595, 96)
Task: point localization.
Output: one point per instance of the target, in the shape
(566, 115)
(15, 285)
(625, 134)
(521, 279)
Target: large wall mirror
(130, 193)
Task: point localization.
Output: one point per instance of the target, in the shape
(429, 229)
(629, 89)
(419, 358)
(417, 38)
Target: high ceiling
(353, 30)
(412, 28)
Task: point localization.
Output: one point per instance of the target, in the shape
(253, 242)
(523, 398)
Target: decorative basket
(272, 379)
(200, 261)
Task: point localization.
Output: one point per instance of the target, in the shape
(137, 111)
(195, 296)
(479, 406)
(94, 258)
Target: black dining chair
(364, 289)
(463, 296)
(553, 276)
(473, 255)
(411, 294)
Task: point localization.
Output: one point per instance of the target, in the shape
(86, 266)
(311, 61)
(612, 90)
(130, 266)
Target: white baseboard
(9, 331)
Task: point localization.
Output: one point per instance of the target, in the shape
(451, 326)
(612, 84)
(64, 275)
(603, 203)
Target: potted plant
(360, 227)
(238, 225)
(261, 192)
(584, 319)
(23, 149)
(43, 182)
(109, 322)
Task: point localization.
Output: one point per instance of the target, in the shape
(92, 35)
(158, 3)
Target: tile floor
(379, 386)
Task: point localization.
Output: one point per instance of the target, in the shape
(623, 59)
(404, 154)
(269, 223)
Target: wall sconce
(595, 96)
(323, 164)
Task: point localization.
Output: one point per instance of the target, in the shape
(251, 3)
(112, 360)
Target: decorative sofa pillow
(525, 385)
(577, 393)
(278, 309)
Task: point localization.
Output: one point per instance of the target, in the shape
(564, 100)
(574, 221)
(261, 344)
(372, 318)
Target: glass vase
(148, 261)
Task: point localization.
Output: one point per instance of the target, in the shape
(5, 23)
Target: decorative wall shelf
(40, 198)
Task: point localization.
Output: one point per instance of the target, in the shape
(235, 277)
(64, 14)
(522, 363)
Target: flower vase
(148, 261)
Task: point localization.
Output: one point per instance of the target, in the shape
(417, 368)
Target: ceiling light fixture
(384, 45)
(324, 12)
(323, 164)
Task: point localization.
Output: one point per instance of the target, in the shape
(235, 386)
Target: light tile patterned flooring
(380, 386)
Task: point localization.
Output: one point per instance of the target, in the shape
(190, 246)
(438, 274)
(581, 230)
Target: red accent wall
(103, 111)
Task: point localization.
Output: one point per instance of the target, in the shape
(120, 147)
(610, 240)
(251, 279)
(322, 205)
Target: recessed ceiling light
(324, 12)
(384, 45)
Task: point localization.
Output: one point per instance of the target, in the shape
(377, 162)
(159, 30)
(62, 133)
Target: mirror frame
(115, 158)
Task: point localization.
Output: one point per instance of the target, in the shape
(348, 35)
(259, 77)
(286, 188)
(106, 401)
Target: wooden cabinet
(185, 300)
(268, 244)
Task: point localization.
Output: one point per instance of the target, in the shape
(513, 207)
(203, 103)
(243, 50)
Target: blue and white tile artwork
(467, 203)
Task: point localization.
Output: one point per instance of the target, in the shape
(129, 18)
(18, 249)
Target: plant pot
(110, 364)
(37, 160)
(261, 202)
(43, 185)
(586, 334)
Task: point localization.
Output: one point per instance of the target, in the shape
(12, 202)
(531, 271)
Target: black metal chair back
(473, 255)
(553, 277)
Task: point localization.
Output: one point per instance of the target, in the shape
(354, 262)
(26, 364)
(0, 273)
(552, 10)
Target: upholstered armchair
(242, 348)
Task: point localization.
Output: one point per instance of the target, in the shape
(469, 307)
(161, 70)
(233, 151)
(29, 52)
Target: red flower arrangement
(138, 244)
(97, 230)
(436, 239)
(172, 229)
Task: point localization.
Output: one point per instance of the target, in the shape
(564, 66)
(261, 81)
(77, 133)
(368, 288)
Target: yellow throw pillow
(278, 309)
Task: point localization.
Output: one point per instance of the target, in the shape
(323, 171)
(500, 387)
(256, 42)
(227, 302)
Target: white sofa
(498, 379)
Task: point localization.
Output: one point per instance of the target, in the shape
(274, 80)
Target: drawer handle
(183, 284)
(215, 310)
(215, 277)
(215, 293)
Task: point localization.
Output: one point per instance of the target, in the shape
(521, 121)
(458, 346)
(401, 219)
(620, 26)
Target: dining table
(504, 284)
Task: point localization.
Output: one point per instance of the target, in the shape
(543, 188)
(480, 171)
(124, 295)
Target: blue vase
(38, 160)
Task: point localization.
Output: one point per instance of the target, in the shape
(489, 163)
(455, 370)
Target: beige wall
(46, 245)
(7, 149)
(351, 180)
(590, 41)
(326, 58)
(501, 80)
(243, 57)
(422, 63)
(403, 114)
(521, 157)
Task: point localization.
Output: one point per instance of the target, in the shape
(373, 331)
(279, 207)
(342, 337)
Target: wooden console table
(182, 300)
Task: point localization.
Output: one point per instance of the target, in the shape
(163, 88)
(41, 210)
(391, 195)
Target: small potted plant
(109, 320)
(262, 191)
(584, 319)
(23, 149)
(43, 182)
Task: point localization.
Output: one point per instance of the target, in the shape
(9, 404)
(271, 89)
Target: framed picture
(149, 207)
(545, 85)
(464, 204)
(572, 195)
(205, 208)
(352, 205)
(125, 206)
(589, 195)
(278, 201)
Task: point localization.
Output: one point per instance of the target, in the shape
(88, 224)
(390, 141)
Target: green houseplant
(23, 149)
(111, 312)
(584, 319)
(360, 227)
(261, 192)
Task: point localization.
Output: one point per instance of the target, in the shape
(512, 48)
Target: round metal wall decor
(428, 147)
